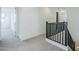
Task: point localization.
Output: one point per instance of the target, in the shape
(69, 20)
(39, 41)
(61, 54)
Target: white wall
(73, 19)
(73, 26)
(29, 22)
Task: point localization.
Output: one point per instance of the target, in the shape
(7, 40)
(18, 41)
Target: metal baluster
(60, 37)
(53, 37)
(46, 29)
(51, 28)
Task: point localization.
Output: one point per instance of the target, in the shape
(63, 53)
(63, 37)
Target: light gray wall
(29, 22)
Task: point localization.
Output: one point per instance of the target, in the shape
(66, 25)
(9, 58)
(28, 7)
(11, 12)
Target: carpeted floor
(34, 44)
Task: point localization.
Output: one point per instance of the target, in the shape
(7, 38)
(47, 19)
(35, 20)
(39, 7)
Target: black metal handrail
(71, 43)
(60, 33)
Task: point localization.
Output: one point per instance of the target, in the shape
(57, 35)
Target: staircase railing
(71, 43)
(60, 33)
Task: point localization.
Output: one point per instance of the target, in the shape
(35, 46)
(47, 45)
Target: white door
(8, 20)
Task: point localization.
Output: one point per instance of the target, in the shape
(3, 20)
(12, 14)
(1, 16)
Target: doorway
(8, 22)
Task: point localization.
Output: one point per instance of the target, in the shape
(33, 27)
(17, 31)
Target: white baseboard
(57, 44)
(26, 38)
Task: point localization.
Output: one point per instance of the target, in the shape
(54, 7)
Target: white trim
(57, 44)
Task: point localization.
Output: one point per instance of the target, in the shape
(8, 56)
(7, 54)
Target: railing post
(46, 29)
(74, 46)
(57, 16)
(66, 33)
